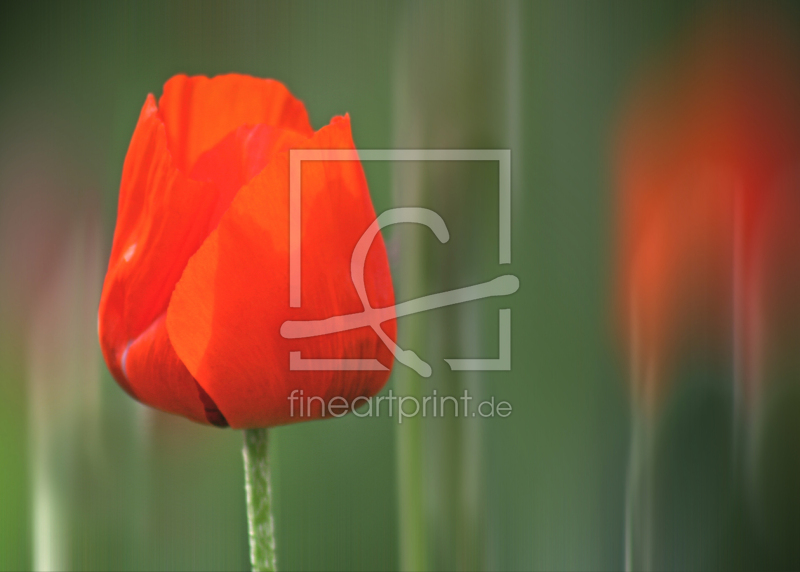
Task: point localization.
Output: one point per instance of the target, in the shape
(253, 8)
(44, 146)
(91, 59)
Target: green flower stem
(261, 525)
(639, 520)
(413, 555)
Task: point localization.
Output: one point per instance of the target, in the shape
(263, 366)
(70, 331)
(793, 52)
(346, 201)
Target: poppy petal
(160, 378)
(163, 217)
(236, 159)
(225, 314)
(199, 111)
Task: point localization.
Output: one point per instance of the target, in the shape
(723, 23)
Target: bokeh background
(91, 480)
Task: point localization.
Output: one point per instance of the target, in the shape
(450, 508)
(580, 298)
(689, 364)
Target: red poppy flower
(707, 170)
(198, 280)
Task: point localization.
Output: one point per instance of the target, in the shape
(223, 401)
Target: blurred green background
(543, 489)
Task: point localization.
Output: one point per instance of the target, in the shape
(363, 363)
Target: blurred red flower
(198, 280)
(707, 170)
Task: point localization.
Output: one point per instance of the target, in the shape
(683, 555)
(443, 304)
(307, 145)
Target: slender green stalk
(410, 484)
(436, 105)
(410, 281)
(639, 525)
(64, 414)
(261, 525)
(639, 496)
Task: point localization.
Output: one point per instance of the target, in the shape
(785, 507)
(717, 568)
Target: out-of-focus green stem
(639, 523)
(639, 496)
(410, 450)
(261, 525)
(409, 460)
(437, 105)
(64, 393)
(409, 282)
